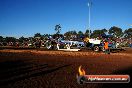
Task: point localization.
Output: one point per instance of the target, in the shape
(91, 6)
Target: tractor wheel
(96, 48)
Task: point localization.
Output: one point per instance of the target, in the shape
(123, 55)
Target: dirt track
(58, 69)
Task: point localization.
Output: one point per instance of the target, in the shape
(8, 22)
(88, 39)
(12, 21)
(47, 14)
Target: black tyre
(96, 48)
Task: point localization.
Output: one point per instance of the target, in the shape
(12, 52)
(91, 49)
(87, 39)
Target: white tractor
(94, 44)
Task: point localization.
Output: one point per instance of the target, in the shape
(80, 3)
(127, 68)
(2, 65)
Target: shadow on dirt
(13, 71)
(127, 71)
(17, 48)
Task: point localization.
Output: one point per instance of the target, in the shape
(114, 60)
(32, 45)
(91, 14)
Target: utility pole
(89, 6)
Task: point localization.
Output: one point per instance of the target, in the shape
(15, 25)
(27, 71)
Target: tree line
(74, 35)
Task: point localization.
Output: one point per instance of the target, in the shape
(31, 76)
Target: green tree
(67, 35)
(21, 39)
(10, 39)
(70, 35)
(37, 35)
(104, 30)
(1, 39)
(87, 33)
(57, 36)
(115, 31)
(31, 39)
(98, 33)
(45, 36)
(58, 28)
(128, 33)
(80, 35)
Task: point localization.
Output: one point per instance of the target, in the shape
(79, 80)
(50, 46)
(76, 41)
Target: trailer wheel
(96, 48)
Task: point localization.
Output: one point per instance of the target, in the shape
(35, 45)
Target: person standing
(106, 47)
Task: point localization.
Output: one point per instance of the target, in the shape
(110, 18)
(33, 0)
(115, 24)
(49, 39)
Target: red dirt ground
(58, 69)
